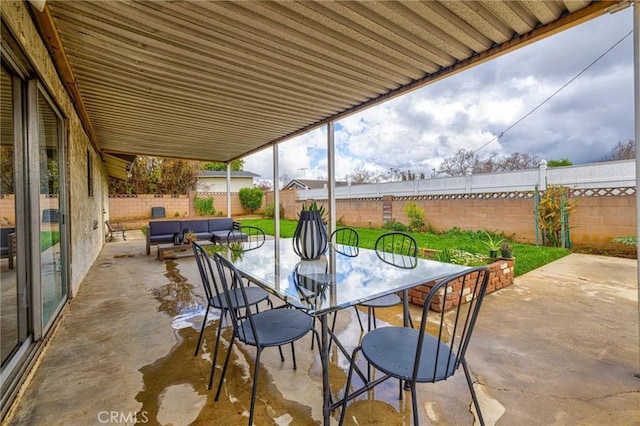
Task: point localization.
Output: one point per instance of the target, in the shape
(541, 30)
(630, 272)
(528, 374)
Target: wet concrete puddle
(175, 386)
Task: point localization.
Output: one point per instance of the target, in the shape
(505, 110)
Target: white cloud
(417, 131)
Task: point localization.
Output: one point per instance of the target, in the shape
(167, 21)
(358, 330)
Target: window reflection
(53, 290)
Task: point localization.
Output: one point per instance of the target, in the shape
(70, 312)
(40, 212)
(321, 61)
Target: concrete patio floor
(559, 347)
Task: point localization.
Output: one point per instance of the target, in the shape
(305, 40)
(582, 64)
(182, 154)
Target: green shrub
(460, 257)
(629, 241)
(250, 198)
(204, 206)
(269, 211)
(415, 215)
(394, 225)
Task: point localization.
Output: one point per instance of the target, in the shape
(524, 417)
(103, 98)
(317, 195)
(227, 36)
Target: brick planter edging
(501, 275)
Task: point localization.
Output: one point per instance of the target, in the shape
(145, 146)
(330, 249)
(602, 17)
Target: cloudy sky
(583, 122)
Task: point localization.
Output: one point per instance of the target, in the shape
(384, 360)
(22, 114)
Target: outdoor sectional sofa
(8, 245)
(215, 230)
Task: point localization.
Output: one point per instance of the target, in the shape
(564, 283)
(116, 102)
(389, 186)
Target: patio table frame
(272, 268)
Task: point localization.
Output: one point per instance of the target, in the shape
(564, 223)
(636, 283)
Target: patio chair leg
(372, 313)
(348, 385)
(359, 321)
(224, 369)
(204, 322)
(215, 350)
(414, 404)
(333, 326)
(281, 355)
(293, 354)
(473, 392)
(255, 386)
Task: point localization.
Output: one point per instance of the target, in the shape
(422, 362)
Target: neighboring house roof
(310, 184)
(212, 173)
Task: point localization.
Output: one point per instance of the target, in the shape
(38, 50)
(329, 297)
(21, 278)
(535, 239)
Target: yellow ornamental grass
(553, 203)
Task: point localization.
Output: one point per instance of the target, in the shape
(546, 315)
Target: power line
(555, 93)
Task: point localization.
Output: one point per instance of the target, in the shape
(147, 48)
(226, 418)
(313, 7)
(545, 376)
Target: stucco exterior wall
(85, 241)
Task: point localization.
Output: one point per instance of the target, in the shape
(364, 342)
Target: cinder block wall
(595, 221)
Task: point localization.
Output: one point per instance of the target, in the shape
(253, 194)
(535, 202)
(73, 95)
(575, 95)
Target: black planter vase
(310, 238)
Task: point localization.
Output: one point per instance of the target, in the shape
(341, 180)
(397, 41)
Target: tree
(622, 151)
(265, 185)
(362, 176)
(177, 176)
(518, 161)
(458, 164)
(151, 175)
(250, 198)
(559, 163)
(464, 159)
(236, 166)
(284, 179)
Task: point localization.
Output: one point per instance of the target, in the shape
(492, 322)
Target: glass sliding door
(52, 266)
(33, 233)
(14, 298)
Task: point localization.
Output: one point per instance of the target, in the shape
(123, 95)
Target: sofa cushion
(197, 225)
(221, 224)
(161, 238)
(224, 236)
(168, 227)
(4, 236)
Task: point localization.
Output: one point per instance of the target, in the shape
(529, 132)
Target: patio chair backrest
(251, 238)
(207, 272)
(345, 236)
(397, 249)
(233, 284)
(445, 333)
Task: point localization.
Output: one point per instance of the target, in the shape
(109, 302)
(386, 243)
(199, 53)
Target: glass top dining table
(344, 276)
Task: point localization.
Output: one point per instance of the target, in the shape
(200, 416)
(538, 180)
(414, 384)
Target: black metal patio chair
(216, 299)
(275, 327)
(345, 236)
(417, 356)
(245, 237)
(397, 249)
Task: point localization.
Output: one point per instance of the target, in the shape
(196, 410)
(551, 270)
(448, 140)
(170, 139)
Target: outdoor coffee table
(173, 251)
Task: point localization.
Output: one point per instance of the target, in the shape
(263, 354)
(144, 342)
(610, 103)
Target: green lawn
(48, 239)
(528, 257)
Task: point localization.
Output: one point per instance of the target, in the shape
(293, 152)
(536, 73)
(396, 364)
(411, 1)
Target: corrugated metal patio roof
(218, 80)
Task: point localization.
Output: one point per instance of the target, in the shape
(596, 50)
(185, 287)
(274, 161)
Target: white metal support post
(636, 91)
(276, 194)
(331, 164)
(229, 189)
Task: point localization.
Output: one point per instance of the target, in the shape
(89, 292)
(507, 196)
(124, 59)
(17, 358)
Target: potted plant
(506, 252)
(493, 244)
(189, 237)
